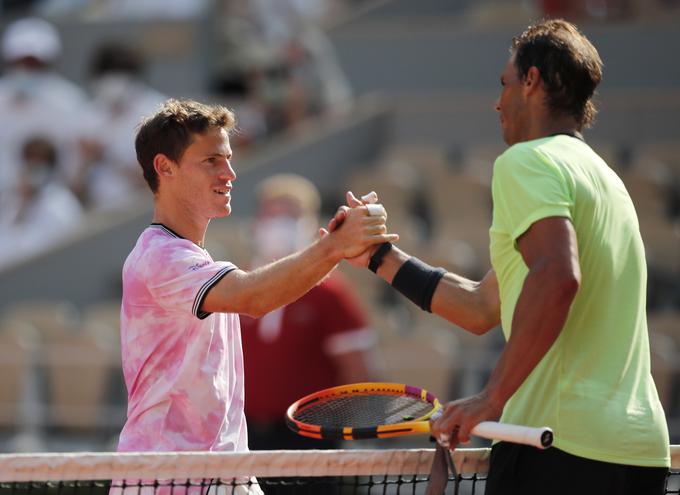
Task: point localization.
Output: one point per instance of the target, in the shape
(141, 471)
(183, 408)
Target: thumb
(352, 200)
(322, 232)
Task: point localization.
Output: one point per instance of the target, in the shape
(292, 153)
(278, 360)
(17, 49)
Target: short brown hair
(169, 131)
(568, 63)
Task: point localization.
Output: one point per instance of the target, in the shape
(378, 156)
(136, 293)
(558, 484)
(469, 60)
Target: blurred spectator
(294, 25)
(319, 341)
(280, 20)
(43, 210)
(35, 100)
(275, 52)
(109, 171)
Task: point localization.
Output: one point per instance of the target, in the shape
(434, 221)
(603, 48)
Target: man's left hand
(459, 417)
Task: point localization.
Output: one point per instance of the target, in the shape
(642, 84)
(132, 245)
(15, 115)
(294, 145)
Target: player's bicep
(490, 297)
(227, 295)
(551, 241)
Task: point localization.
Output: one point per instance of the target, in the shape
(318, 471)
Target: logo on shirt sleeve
(198, 266)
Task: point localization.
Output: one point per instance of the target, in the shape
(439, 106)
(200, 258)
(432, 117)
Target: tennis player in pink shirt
(181, 342)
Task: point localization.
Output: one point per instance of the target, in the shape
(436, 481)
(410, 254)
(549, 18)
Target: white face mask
(27, 83)
(38, 175)
(112, 89)
(279, 236)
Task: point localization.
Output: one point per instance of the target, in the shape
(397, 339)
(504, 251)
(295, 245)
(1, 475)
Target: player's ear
(531, 81)
(163, 165)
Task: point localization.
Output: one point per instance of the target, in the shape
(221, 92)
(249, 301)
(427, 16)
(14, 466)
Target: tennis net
(269, 472)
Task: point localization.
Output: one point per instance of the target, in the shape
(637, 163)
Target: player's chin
(508, 138)
(222, 211)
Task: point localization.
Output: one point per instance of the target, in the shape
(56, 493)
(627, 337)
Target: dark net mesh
(333, 485)
(359, 411)
(403, 484)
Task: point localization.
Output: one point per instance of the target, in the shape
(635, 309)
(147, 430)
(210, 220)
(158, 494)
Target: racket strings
(357, 411)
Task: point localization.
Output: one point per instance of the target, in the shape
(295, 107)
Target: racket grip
(541, 438)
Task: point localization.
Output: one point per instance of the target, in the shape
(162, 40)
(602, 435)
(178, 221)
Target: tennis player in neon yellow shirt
(568, 285)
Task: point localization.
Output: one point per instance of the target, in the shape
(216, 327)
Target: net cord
(282, 463)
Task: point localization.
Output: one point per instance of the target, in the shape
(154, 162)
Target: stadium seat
(78, 366)
(101, 323)
(665, 360)
(44, 315)
(667, 323)
(659, 233)
(397, 184)
(462, 207)
(18, 341)
(664, 330)
(424, 359)
(75, 364)
(478, 160)
(655, 153)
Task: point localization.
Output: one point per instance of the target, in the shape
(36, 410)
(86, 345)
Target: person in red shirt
(319, 341)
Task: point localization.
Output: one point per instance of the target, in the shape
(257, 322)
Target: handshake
(358, 229)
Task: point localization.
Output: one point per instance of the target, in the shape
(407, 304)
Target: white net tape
(282, 463)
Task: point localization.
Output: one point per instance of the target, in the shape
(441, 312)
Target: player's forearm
(264, 289)
(471, 305)
(279, 283)
(540, 314)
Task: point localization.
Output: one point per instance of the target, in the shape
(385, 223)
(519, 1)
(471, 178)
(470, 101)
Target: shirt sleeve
(179, 275)
(528, 186)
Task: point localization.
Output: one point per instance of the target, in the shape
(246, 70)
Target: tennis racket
(383, 410)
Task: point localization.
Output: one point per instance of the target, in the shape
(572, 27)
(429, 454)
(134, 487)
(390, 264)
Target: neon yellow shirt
(594, 386)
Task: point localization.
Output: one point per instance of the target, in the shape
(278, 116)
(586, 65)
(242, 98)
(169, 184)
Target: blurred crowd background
(394, 96)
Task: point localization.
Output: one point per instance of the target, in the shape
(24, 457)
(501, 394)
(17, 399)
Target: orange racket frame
(415, 426)
(540, 437)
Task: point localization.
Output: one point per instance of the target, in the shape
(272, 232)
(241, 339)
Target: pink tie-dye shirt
(183, 367)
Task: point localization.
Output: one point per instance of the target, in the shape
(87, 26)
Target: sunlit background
(393, 96)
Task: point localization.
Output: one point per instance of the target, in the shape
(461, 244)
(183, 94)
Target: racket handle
(537, 437)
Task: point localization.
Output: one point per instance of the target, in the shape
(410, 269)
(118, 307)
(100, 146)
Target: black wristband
(417, 281)
(376, 259)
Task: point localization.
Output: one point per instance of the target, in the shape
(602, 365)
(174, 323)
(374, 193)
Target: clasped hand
(372, 220)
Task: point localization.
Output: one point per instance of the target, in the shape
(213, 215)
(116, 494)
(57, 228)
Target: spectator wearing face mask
(43, 209)
(321, 340)
(108, 168)
(35, 99)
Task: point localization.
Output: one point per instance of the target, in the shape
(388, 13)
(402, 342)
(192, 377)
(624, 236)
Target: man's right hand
(361, 229)
(360, 261)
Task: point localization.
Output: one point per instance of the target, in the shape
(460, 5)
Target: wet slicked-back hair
(169, 132)
(568, 63)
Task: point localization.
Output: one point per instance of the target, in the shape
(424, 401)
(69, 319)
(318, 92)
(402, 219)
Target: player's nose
(227, 171)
